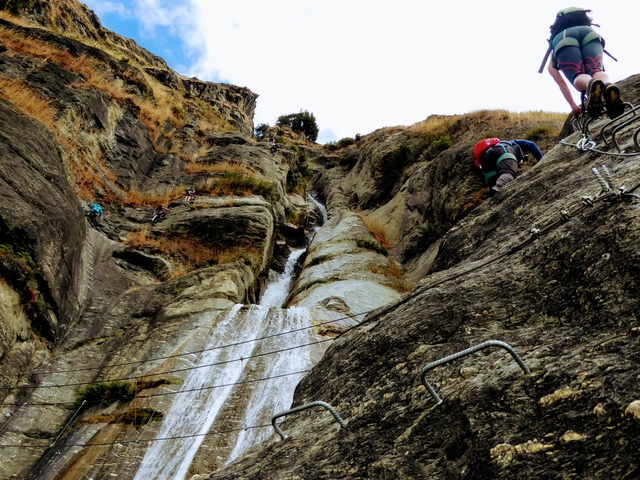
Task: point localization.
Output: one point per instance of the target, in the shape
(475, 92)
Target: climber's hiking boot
(612, 101)
(593, 103)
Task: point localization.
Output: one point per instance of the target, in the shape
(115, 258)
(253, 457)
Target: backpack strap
(546, 57)
(570, 41)
(506, 155)
(611, 56)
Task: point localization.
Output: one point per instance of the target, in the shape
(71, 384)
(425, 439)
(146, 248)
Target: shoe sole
(595, 105)
(613, 102)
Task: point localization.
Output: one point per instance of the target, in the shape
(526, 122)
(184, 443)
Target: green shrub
(299, 175)
(302, 122)
(22, 273)
(345, 142)
(539, 132)
(236, 183)
(15, 6)
(138, 416)
(106, 393)
(261, 130)
(441, 145)
(207, 263)
(371, 244)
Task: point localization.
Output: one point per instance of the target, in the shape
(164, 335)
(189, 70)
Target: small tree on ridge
(303, 122)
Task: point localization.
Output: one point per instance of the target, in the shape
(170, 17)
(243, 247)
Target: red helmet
(480, 147)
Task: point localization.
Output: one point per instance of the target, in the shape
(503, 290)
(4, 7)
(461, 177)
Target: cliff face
(412, 244)
(538, 267)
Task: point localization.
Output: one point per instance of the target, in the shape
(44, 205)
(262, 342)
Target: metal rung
(455, 356)
(304, 407)
(619, 123)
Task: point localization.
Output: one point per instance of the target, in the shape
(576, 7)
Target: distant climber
(499, 160)
(578, 53)
(190, 195)
(160, 214)
(95, 211)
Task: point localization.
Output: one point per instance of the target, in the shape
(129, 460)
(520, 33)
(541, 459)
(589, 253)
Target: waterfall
(276, 292)
(276, 395)
(323, 210)
(194, 412)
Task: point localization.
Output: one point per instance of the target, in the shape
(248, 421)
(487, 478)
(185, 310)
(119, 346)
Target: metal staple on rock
(468, 351)
(304, 407)
(618, 124)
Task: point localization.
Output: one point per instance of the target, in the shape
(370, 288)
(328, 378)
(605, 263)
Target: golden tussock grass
(402, 286)
(376, 229)
(158, 102)
(218, 168)
(477, 199)
(5, 15)
(189, 253)
(153, 112)
(136, 198)
(28, 101)
(395, 271)
(86, 174)
(486, 120)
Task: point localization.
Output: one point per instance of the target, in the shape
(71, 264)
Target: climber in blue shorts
(578, 53)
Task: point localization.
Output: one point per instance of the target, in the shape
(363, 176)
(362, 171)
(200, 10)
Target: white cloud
(360, 65)
(102, 7)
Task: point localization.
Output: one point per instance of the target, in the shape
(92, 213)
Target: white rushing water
(275, 395)
(276, 292)
(323, 210)
(194, 412)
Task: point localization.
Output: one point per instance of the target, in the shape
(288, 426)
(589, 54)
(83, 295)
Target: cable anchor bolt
(603, 184)
(587, 201)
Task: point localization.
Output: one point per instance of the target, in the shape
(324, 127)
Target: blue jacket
(96, 208)
(519, 145)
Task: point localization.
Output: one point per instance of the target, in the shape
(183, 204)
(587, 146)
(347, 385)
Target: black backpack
(569, 17)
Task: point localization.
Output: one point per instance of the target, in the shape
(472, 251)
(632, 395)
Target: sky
(360, 65)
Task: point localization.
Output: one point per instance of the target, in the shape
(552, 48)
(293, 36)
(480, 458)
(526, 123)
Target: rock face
(338, 280)
(39, 209)
(129, 308)
(566, 301)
